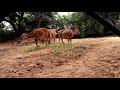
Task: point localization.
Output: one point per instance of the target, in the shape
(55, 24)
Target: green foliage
(89, 27)
(111, 17)
(6, 34)
(61, 22)
(27, 21)
(41, 19)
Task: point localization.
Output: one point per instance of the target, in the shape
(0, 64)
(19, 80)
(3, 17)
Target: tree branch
(104, 22)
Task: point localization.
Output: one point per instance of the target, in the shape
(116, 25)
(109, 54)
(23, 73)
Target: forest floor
(84, 58)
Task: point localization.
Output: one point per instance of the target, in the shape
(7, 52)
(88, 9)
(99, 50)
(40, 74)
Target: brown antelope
(68, 34)
(52, 35)
(39, 34)
(59, 33)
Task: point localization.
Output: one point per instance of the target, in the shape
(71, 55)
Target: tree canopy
(89, 27)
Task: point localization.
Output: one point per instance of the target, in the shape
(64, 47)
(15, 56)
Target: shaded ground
(85, 58)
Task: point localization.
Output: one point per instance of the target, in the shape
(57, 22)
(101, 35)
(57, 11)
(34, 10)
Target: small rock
(28, 70)
(19, 58)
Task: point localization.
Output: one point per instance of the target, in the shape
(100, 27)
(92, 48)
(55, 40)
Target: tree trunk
(18, 27)
(40, 19)
(21, 28)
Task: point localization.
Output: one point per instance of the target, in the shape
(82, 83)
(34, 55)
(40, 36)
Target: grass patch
(33, 47)
(1, 55)
(62, 51)
(72, 52)
(116, 42)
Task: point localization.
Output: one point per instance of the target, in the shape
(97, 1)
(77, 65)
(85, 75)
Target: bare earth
(85, 58)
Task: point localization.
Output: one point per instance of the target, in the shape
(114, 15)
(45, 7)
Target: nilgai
(39, 34)
(68, 34)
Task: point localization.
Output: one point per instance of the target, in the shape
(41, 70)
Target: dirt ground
(85, 58)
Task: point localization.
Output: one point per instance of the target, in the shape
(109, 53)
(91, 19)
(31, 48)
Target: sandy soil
(85, 58)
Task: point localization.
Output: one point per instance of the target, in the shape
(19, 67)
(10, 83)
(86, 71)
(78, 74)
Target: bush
(6, 35)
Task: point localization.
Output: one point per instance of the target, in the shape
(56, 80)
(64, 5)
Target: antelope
(52, 35)
(68, 34)
(59, 34)
(39, 34)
